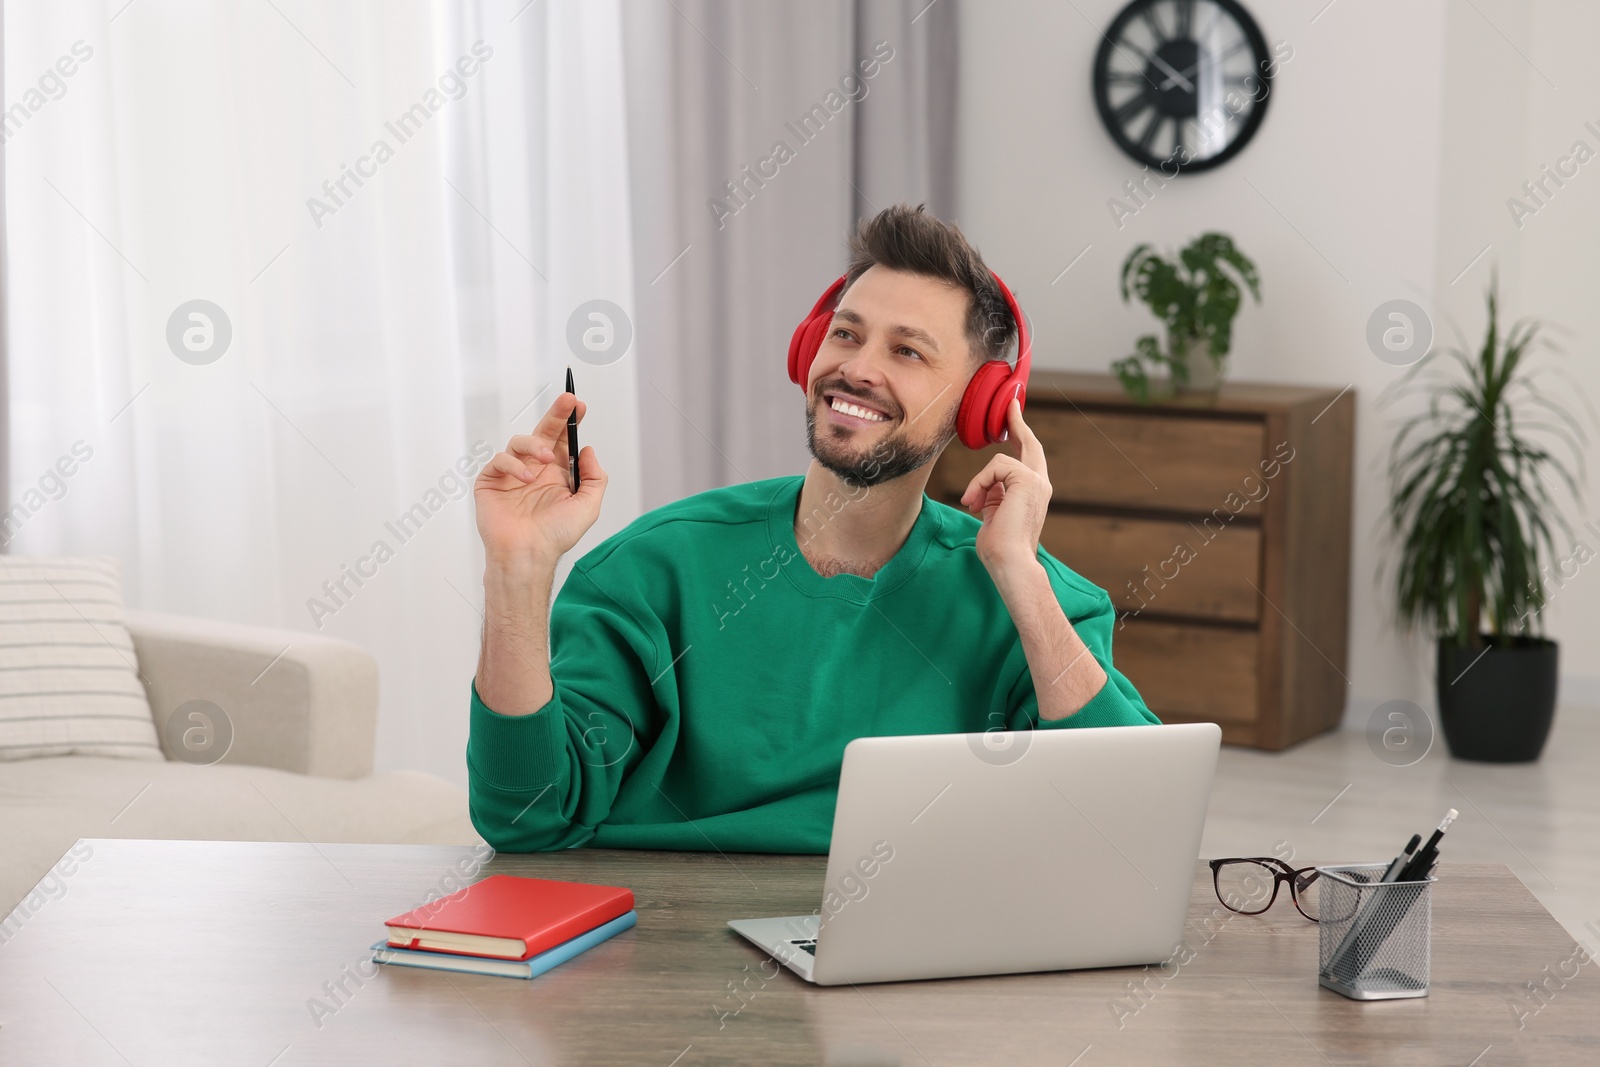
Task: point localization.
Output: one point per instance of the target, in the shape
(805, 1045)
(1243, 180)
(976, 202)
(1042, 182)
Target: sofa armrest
(297, 701)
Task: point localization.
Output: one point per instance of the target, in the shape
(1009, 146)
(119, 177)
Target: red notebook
(506, 916)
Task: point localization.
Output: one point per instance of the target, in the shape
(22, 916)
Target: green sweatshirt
(707, 678)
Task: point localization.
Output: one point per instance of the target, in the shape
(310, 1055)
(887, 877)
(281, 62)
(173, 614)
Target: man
(711, 660)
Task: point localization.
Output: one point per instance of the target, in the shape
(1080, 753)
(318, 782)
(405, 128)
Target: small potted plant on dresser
(1470, 505)
(1196, 298)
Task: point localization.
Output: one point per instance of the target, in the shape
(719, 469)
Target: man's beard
(893, 456)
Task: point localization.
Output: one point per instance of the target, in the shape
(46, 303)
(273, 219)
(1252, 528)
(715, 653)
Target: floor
(1334, 800)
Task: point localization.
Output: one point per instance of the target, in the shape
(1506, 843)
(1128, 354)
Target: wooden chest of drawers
(1220, 526)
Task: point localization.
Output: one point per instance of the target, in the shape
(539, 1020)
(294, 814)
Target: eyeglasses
(1249, 886)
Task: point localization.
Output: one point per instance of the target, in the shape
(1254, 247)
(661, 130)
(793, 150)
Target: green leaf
(1197, 296)
(1470, 481)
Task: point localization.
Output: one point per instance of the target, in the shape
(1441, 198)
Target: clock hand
(1191, 68)
(1186, 72)
(1148, 57)
(1167, 68)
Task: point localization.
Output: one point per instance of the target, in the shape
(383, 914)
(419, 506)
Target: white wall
(1346, 198)
(1559, 263)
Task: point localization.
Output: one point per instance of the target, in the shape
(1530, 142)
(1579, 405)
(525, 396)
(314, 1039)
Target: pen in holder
(1372, 936)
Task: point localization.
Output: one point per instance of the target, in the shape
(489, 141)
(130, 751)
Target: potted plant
(1196, 299)
(1470, 504)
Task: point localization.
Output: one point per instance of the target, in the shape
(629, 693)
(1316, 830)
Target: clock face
(1182, 84)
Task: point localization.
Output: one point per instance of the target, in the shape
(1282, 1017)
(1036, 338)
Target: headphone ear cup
(796, 342)
(807, 338)
(803, 347)
(1000, 403)
(974, 416)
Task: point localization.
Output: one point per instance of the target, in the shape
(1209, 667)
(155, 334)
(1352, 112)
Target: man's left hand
(1011, 495)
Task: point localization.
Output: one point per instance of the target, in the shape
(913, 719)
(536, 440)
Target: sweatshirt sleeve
(544, 781)
(1091, 614)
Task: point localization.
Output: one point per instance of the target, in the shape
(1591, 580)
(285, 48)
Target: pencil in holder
(1372, 936)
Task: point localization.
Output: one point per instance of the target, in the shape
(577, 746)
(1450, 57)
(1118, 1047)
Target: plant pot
(1205, 373)
(1496, 703)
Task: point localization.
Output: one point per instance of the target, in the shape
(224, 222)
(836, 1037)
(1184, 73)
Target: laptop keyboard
(809, 946)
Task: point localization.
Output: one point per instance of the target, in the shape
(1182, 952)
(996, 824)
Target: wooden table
(176, 952)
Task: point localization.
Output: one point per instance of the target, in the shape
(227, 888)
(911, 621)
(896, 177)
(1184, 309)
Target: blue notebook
(528, 968)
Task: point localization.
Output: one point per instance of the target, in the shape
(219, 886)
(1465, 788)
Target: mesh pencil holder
(1372, 936)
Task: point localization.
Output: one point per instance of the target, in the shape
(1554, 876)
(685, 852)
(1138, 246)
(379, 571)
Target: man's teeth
(856, 410)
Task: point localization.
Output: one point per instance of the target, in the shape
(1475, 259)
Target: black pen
(572, 435)
(1401, 860)
(1422, 862)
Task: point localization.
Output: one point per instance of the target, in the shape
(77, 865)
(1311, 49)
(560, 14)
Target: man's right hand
(527, 511)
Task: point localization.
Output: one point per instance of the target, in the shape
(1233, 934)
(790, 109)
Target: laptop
(1003, 853)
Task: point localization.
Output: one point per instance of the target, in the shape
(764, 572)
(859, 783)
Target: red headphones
(981, 418)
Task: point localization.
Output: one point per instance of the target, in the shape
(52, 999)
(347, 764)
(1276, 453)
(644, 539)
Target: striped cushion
(69, 680)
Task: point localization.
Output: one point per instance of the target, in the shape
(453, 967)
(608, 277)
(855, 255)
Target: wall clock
(1183, 84)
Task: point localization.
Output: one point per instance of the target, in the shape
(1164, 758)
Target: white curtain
(388, 329)
(735, 237)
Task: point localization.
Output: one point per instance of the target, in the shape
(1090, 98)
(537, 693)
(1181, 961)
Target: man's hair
(908, 239)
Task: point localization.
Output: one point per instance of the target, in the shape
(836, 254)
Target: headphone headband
(1024, 358)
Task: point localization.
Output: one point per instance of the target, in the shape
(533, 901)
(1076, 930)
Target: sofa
(303, 711)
